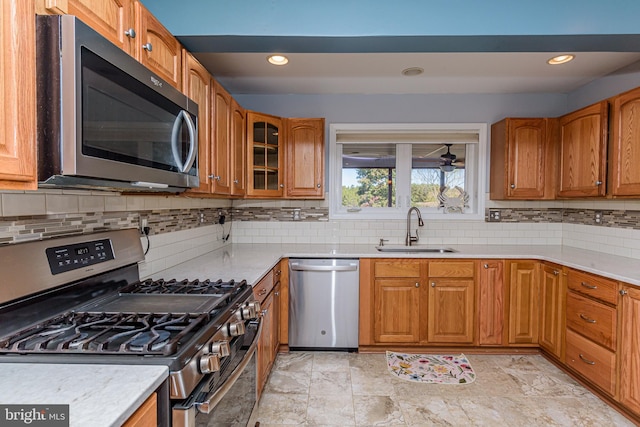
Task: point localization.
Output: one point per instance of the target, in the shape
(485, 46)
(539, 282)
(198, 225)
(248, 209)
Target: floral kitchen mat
(431, 369)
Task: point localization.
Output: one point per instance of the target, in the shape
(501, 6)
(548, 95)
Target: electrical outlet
(144, 223)
(494, 215)
(597, 217)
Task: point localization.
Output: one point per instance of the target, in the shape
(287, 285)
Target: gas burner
(195, 287)
(107, 333)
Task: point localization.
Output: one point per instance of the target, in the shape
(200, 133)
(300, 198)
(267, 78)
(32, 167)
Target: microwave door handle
(193, 143)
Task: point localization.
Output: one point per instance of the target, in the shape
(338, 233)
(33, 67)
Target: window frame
(475, 170)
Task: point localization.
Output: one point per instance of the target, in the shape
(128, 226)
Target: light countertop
(252, 261)
(98, 395)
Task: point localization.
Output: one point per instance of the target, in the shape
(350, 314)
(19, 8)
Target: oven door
(226, 398)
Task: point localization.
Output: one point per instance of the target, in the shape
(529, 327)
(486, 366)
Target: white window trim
(478, 170)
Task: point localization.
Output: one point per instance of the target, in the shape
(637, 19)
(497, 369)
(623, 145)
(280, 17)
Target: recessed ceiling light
(412, 71)
(277, 59)
(560, 59)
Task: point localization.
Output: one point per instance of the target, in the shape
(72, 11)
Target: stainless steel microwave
(105, 121)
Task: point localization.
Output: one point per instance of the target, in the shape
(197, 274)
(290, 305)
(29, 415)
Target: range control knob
(235, 329)
(209, 363)
(221, 348)
(246, 312)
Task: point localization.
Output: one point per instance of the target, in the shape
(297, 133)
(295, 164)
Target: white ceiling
(380, 73)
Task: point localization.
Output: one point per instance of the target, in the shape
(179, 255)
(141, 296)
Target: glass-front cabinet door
(265, 155)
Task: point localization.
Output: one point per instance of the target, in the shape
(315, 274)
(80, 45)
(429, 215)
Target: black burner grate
(196, 287)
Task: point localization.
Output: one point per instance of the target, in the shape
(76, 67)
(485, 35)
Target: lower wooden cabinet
(146, 415)
(629, 392)
(523, 305)
(491, 302)
(552, 309)
(267, 292)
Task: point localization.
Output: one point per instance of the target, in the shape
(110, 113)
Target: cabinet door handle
(276, 293)
(131, 33)
(598, 183)
(417, 285)
(556, 272)
(148, 47)
(588, 286)
(587, 319)
(235, 181)
(486, 266)
(623, 292)
(262, 292)
(433, 284)
(264, 312)
(513, 186)
(587, 361)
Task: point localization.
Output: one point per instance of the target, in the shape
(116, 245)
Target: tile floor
(349, 389)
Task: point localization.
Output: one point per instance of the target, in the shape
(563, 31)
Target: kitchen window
(378, 171)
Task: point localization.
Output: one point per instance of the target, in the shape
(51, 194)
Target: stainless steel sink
(417, 248)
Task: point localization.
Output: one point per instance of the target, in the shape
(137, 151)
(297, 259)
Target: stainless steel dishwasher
(323, 304)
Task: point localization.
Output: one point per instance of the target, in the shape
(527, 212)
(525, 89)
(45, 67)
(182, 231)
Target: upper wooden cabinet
(18, 88)
(305, 158)
(583, 152)
(158, 49)
(238, 144)
(265, 155)
(523, 159)
(624, 178)
(197, 85)
(114, 19)
(221, 132)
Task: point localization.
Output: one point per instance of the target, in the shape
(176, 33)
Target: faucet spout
(409, 239)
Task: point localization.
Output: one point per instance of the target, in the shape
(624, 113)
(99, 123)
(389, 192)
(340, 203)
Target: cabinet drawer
(451, 269)
(592, 319)
(397, 269)
(264, 286)
(594, 286)
(594, 362)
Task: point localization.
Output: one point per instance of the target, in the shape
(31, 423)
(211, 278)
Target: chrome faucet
(412, 239)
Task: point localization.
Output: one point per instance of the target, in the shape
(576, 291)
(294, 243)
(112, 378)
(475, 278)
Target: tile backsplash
(196, 222)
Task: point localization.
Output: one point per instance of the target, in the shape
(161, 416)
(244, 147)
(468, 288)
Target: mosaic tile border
(627, 219)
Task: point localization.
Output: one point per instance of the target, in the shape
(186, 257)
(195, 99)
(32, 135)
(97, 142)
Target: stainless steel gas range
(79, 300)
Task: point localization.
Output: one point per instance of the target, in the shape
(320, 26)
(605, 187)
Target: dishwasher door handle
(298, 267)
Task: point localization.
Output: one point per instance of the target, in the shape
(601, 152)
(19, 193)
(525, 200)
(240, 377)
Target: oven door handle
(212, 399)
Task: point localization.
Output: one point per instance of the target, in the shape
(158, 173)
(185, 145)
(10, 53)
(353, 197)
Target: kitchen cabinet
(146, 415)
(591, 328)
(629, 372)
(523, 159)
(491, 300)
(114, 19)
(583, 152)
(397, 301)
(197, 85)
(451, 306)
(305, 158)
(523, 290)
(18, 87)
(552, 309)
(158, 50)
(238, 144)
(624, 179)
(267, 292)
(221, 132)
(265, 155)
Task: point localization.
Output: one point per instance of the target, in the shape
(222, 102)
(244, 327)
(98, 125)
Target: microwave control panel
(79, 255)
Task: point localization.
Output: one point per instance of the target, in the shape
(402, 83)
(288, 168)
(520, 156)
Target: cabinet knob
(513, 186)
(131, 33)
(148, 47)
(433, 284)
(417, 285)
(623, 292)
(556, 272)
(318, 185)
(235, 181)
(276, 293)
(281, 185)
(486, 266)
(598, 182)
(216, 177)
(264, 312)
